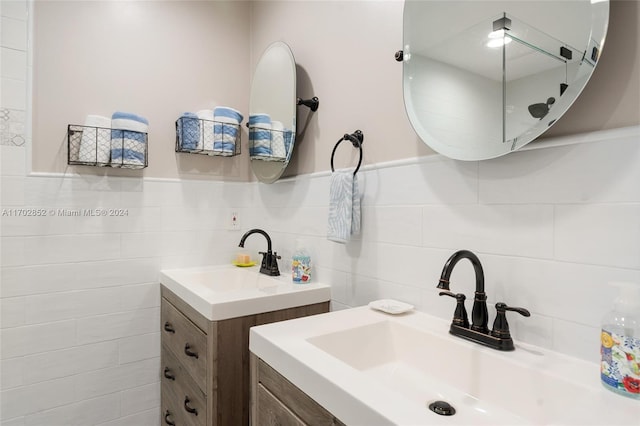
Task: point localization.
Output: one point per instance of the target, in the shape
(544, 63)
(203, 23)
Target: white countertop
(533, 385)
(225, 291)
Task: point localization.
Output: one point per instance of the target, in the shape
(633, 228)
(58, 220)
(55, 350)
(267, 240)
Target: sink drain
(442, 408)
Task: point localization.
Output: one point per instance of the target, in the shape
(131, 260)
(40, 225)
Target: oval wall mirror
(484, 78)
(272, 113)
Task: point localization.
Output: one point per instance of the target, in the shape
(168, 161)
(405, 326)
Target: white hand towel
(277, 140)
(95, 145)
(344, 206)
(206, 130)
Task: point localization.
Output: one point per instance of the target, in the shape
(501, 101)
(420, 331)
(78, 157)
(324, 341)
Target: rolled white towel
(277, 140)
(128, 139)
(206, 129)
(225, 129)
(95, 145)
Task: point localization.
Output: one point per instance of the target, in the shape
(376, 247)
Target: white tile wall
(14, 94)
(25, 400)
(87, 412)
(144, 418)
(80, 300)
(14, 33)
(67, 362)
(14, 72)
(139, 399)
(16, 9)
(14, 64)
(551, 226)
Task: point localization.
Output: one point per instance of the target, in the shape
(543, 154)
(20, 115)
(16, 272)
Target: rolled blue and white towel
(128, 139)
(226, 129)
(95, 144)
(344, 206)
(206, 129)
(189, 130)
(260, 135)
(255, 120)
(277, 141)
(288, 142)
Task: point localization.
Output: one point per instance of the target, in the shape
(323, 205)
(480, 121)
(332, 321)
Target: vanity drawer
(172, 413)
(186, 341)
(272, 412)
(271, 384)
(183, 398)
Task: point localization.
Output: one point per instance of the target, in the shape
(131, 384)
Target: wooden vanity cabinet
(275, 401)
(205, 364)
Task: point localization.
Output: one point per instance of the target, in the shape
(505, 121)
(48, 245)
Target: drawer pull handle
(166, 418)
(168, 374)
(189, 352)
(189, 409)
(168, 327)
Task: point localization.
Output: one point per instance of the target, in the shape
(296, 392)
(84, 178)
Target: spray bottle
(620, 342)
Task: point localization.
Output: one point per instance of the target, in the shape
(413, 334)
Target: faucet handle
(460, 317)
(500, 325)
(269, 264)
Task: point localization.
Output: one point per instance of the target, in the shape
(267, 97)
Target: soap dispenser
(620, 342)
(301, 265)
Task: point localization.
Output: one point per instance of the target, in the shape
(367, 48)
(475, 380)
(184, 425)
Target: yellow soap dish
(243, 265)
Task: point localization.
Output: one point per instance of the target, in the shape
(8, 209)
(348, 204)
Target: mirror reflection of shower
(542, 109)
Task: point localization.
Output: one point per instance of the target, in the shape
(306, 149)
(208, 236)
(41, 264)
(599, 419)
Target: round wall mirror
(484, 78)
(272, 113)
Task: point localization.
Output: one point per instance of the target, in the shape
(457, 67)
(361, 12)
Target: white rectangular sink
(226, 291)
(372, 368)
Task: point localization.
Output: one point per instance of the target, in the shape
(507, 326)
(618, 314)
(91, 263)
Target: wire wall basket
(106, 147)
(207, 137)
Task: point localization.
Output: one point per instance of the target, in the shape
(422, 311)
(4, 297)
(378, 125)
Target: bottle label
(620, 365)
(301, 269)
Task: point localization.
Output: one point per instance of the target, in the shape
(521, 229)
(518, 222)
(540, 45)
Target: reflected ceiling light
(498, 39)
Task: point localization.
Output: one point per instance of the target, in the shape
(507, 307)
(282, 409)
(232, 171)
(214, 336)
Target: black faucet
(499, 337)
(269, 265)
(479, 315)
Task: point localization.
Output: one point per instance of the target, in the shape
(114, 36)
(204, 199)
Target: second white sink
(225, 291)
(370, 368)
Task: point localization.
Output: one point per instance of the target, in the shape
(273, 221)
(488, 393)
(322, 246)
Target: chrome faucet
(499, 337)
(269, 265)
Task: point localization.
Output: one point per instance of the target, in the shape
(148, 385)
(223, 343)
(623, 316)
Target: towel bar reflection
(356, 138)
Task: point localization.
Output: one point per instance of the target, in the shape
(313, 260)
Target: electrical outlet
(234, 221)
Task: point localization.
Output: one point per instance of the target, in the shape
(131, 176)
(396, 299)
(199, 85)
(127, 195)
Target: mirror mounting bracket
(503, 23)
(312, 103)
